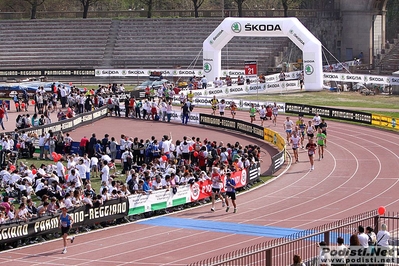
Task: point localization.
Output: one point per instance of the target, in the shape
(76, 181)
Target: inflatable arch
(265, 27)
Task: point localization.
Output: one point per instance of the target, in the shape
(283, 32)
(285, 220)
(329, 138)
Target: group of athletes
(315, 131)
(268, 112)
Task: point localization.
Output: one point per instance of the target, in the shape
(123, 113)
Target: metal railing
(281, 250)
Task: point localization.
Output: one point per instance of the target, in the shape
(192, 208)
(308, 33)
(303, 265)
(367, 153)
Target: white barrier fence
(242, 104)
(165, 72)
(327, 76)
(274, 87)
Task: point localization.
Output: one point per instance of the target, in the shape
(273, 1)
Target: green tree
(292, 4)
(285, 7)
(197, 5)
(149, 4)
(392, 19)
(239, 6)
(86, 4)
(34, 5)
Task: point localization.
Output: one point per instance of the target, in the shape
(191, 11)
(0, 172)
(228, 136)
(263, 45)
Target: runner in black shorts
(66, 222)
(230, 192)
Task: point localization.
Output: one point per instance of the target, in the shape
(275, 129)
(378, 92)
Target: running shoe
(235, 210)
(227, 209)
(72, 239)
(223, 204)
(64, 251)
(212, 209)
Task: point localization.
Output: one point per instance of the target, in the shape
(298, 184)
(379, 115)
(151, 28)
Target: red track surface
(358, 173)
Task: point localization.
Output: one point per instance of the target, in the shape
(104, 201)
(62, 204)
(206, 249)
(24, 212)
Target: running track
(358, 173)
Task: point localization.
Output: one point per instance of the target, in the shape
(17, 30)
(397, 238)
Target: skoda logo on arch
(309, 70)
(207, 67)
(236, 27)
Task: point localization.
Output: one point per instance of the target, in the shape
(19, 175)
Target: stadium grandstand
(139, 43)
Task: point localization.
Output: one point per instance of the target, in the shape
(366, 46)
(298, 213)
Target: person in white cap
(66, 222)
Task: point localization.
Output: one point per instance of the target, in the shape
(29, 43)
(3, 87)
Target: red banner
(203, 189)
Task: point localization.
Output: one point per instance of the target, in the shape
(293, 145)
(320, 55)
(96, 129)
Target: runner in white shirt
(288, 124)
(262, 114)
(295, 141)
(275, 113)
(222, 106)
(316, 121)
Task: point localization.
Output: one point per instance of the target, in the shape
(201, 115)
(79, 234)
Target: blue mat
(222, 227)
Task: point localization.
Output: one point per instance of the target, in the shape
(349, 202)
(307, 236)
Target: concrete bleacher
(178, 42)
(126, 43)
(389, 62)
(37, 44)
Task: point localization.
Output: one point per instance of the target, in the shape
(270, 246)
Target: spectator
(105, 172)
(383, 236)
(87, 200)
(363, 238)
(83, 145)
(297, 261)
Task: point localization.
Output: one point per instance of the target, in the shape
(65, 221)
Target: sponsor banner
(351, 78)
(203, 189)
(253, 172)
(274, 138)
(110, 210)
(48, 72)
(241, 104)
(184, 73)
(268, 87)
(331, 76)
(340, 66)
(69, 124)
(384, 121)
(349, 115)
(228, 123)
(192, 118)
(84, 215)
(217, 37)
(394, 80)
(165, 72)
(365, 79)
(376, 79)
(278, 161)
(158, 199)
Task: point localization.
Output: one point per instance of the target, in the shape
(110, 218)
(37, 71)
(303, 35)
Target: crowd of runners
(313, 132)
